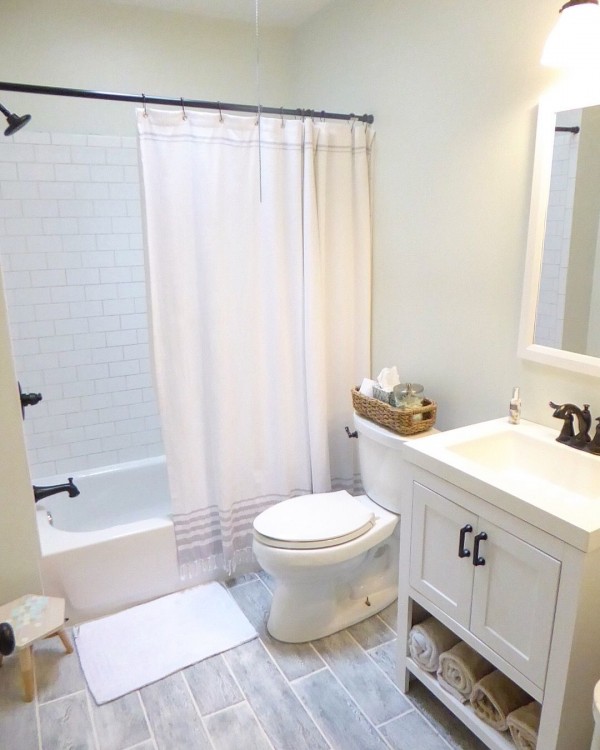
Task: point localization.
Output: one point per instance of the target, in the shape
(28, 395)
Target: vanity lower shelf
(492, 738)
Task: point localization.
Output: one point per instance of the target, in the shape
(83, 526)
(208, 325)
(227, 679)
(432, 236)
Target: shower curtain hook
(322, 115)
(183, 109)
(282, 120)
(220, 112)
(144, 103)
(352, 121)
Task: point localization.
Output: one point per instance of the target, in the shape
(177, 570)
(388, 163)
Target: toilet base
(306, 628)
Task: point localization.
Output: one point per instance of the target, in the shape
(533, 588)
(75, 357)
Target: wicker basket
(398, 420)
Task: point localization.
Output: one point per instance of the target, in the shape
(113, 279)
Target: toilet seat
(313, 521)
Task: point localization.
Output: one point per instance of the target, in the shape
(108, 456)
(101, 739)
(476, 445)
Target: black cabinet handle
(481, 537)
(462, 550)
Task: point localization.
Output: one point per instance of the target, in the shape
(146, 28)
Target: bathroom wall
(72, 254)
(19, 545)
(454, 88)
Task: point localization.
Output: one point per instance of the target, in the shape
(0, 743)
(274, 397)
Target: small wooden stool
(34, 617)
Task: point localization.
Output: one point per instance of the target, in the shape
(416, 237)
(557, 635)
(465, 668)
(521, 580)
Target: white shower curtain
(259, 277)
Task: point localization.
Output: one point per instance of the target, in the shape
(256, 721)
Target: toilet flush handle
(351, 434)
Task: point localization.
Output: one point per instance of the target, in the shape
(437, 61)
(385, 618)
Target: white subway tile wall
(73, 266)
(550, 315)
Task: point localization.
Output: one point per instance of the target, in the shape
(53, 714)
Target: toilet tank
(381, 464)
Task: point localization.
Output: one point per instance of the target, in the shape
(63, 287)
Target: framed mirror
(560, 317)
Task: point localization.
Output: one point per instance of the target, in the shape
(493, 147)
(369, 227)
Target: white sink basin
(515, 455)
(521, 468)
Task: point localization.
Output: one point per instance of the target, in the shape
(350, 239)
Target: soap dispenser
(514, 411)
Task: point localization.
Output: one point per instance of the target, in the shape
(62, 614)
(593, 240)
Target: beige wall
(454, 88)
(131, 50)
(19, 549)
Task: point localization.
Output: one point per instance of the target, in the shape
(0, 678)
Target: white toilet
(334, 557)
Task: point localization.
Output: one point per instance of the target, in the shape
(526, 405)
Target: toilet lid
(313, 521)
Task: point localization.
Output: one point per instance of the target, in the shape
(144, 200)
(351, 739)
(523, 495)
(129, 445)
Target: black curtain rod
(572, 129)
(26, 88)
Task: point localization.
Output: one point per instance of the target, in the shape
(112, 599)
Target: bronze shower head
(15, 122)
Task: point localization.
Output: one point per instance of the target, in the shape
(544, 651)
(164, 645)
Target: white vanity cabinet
(499, 587)
(531, 606)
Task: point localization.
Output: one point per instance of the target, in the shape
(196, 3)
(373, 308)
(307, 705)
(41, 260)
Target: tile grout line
(190, 693)
(88, 698)
(239, 687)
(358, 708)
(148, 723)
(289, 684)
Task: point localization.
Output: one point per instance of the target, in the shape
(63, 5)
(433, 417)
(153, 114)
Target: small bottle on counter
(514, 410)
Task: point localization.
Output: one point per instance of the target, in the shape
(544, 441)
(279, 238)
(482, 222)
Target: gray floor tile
(372, 690)
(66, 724)
(267, 579)
(385, 658)
(336, 714)
(172, 715)
(18, 723)
(445, 722)
(411, 731)
(236, 728)
(277, 708)
(212, 685)
(294, 659)
(390, 616)
(120, 723)
(56, 672)
(371, 632)
(238, 580)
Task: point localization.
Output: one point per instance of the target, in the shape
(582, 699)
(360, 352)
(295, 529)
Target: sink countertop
(522, 470)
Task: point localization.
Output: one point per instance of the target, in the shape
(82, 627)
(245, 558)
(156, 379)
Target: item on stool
(7, 640)
(429, 639)
(494, 697)
(459, 670)
(524, 724)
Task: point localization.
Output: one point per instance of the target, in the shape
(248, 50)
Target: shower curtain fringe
(26, 88)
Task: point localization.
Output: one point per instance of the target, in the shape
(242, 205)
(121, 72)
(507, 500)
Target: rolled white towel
(460, 668)
(427, 640)
(524, 724)
(494, 697)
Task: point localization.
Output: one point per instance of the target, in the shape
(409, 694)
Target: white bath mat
(143, 644)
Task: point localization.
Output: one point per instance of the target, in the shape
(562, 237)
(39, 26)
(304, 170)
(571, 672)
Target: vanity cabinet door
(496, 585)
(436, 569)
(514, 597)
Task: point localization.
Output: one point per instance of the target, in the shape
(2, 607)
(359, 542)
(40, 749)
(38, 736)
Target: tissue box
(387, 397)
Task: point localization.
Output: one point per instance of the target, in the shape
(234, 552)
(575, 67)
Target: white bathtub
(113, 546)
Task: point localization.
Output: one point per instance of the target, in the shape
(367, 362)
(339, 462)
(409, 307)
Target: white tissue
(388, 378)
(366, 387)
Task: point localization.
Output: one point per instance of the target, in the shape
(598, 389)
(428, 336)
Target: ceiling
(271, 12)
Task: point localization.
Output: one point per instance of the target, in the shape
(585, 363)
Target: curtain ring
(144, 104)
(183, 109)
(220, 112)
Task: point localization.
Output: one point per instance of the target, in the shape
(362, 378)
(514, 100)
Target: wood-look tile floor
(337, 692)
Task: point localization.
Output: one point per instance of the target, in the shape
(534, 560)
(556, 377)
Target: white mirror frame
(542, 166)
